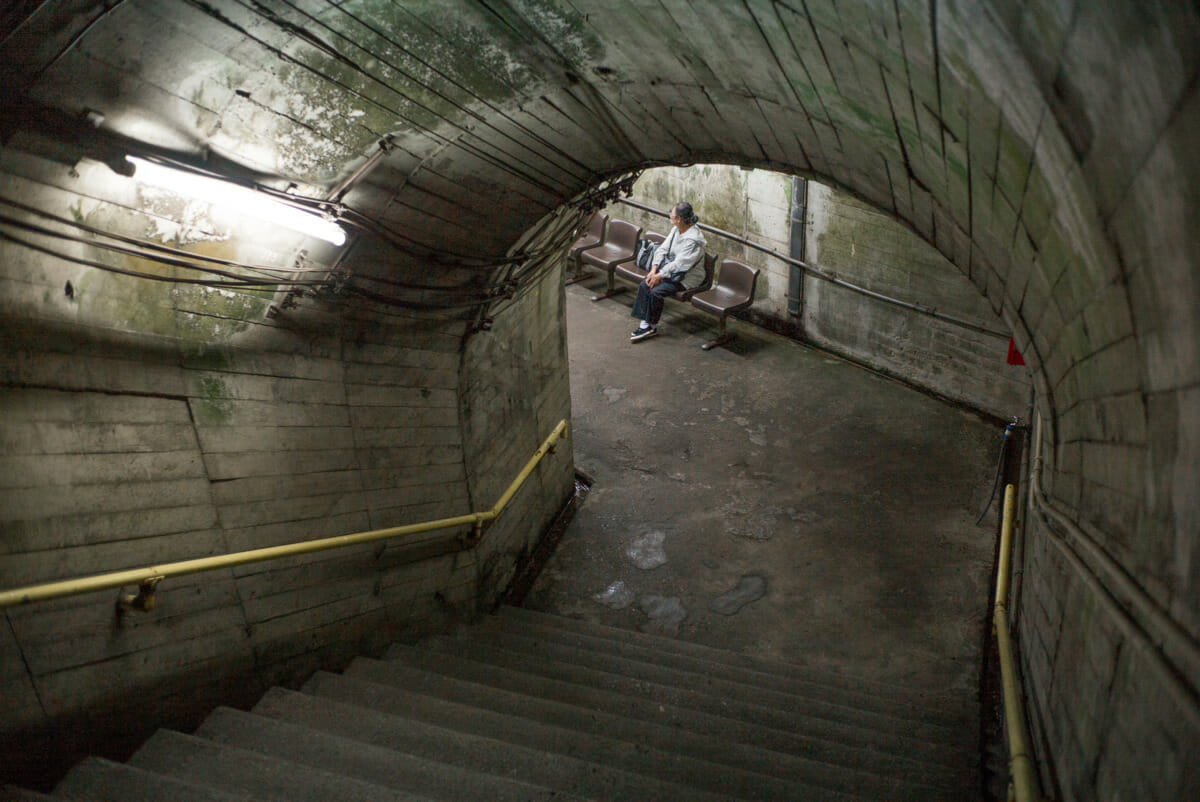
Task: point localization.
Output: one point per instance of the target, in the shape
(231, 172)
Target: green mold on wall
(725, 206)
(880, 123)
(725, 202)
(150, 303)
(957, 167)
(210, 404)
(478, 50)
(659, 189)
(215, 315)
(203, 356)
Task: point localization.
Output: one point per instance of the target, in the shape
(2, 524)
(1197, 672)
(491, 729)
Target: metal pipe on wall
(832, 279)
(799, 245)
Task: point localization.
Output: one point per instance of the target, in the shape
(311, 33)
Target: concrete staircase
(529, 706)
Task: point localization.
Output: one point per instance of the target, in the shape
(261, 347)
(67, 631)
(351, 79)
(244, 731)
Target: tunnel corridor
(184, 379)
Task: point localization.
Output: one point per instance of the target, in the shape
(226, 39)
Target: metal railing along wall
(148, 578)
(824, 275)
(1020, 763)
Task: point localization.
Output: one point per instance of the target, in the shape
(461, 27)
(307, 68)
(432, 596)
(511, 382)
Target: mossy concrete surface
(864, 246)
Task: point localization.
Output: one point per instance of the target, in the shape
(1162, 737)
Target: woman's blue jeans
(649, 303)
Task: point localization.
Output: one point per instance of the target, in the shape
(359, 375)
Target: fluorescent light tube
(237, 199)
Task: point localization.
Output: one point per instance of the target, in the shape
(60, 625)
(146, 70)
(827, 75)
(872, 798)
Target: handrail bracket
(143, 600)
(470, 539)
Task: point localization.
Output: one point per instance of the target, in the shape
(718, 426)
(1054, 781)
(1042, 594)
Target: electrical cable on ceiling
(158, 258)
(182, 257)
(319, 206)
(400, 303)
(377, 56)
(240, 284)
(504, 165)
(406, 245)
(185, 259)
(526, 267)
(341, 8)
(233, 283)
(322, 205)
(147, 245)
(69, 46)
(379, 312)
(340, 211)
(448, 259)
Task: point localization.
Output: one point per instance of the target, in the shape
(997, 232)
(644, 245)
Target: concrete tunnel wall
(863, 246)
(1047, 149)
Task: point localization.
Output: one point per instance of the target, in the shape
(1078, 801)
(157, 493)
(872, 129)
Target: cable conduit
(1169, 648)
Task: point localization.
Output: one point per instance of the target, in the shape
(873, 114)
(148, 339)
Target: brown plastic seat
(629, 271)
(733, 292)
(592, 237)
(617, 247)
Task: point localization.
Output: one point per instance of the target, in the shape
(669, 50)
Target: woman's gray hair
(683, 210)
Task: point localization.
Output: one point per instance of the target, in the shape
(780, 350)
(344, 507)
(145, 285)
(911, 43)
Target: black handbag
(643, 254)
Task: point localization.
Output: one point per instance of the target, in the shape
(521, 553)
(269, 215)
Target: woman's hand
(653, 278)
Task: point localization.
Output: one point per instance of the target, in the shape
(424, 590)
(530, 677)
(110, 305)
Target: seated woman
(682, 250)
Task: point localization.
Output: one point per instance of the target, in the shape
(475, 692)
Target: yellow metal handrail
(148, 578)
(1020, 764)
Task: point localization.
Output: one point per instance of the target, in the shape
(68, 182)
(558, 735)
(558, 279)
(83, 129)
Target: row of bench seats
(609, 245)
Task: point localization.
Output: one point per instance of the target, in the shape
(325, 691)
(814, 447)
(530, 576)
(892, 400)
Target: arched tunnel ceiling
(1047, 149)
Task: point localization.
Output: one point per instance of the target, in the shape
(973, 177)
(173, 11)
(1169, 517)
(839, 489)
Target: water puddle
(616, 596)
(647, 551)
(750, 588)
(666, 613)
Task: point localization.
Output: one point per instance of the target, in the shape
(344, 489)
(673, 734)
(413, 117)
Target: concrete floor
(853, 497)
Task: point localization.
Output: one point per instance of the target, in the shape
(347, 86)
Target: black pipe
(831, 278)
(1004, 468)
(799, 245)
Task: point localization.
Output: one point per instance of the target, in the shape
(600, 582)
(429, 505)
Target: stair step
(937, 711)
(364, 757)
(228, 768)
(497, 753)
(11, 793)
(645, 667)
(533, 707)
(664, 736)
(665, 713)
(103, 780)
(631, 755)
(726, 707)
(943, 708)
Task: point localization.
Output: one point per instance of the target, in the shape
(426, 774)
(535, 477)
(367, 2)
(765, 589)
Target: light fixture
(237, 199)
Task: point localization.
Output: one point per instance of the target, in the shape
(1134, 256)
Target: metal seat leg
(722, 337)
